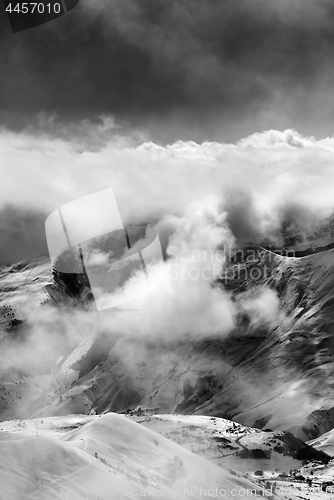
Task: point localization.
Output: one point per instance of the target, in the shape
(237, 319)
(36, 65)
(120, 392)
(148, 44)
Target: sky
(175, 69)
(169, 103)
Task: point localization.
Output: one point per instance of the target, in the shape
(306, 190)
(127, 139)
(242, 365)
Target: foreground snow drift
(104, 457)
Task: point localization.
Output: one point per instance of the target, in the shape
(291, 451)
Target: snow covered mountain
(272, 377)
(263, 375)
(103, 457)
(111, 455)
(269, 375)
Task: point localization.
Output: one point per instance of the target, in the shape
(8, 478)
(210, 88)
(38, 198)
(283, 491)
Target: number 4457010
(30, 8)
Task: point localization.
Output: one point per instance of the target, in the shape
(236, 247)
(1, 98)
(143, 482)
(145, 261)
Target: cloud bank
(262, 182)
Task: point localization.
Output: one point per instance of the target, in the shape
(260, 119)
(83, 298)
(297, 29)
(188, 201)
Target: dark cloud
(181, 68)
(22, 235)
(241, 217)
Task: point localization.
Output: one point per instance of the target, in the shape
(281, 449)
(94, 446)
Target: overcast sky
(112, 94)
(176, 69)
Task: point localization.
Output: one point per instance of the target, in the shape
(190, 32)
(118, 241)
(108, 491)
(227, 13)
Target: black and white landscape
(212, 122)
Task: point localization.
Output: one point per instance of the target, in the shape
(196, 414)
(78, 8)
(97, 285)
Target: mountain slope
(267, 374)
(103, 457)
